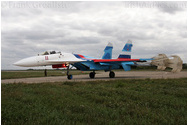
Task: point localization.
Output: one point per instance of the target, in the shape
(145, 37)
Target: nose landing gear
(69, 76)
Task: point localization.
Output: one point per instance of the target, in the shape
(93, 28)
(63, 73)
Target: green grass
(40, 73)
(36, 73)
(122, 102)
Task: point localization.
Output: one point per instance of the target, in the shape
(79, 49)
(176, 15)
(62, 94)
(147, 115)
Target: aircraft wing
(64, 61)
(124, 62)
(119, 60)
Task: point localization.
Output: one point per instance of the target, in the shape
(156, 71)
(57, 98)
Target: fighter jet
(59, 59)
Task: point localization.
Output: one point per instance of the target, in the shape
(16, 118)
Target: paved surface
(102, 76)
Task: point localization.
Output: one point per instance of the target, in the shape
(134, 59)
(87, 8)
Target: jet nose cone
(21, 63)
(28, 62)
(17, 63)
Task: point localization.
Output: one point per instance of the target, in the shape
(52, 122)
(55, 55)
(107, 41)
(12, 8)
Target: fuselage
(86, 63)
(83, 63)
(50, 59)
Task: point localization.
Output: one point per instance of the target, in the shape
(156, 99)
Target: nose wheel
(111, 74)
(92, 74)
(69, 76)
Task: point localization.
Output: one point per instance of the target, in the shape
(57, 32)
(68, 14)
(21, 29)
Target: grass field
(40, 73)
(123, 102)
(36, 73)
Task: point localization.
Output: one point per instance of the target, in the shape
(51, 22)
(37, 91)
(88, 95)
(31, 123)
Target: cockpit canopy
(50, 52)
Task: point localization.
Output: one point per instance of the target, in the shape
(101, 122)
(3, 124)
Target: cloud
(172, 7)
(29, 28)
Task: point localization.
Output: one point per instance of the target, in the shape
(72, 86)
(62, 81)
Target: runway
(102, 76)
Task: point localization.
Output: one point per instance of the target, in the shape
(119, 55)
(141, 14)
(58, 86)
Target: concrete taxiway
(102, 76)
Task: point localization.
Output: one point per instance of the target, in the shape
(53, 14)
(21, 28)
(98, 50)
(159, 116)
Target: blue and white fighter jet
(106, 63)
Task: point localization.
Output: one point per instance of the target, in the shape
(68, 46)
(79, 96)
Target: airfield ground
(135, 97)
(101, 76)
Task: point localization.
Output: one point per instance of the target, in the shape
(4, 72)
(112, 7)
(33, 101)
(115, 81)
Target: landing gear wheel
(111, 74)
(69, 77)
(92, 75)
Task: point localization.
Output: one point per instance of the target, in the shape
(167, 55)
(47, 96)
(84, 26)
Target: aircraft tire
(69, 77)
(111, 74)
(92, 75)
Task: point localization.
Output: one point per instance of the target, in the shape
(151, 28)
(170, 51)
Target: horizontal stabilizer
(115, 60)
(162, 62)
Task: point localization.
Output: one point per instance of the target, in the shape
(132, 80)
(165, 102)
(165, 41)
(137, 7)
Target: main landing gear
(92, 74)
(69, 76)
(111, 74)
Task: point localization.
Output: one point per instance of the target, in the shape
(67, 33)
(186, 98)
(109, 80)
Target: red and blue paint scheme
(92, 64)
(124, 60)
(84, 63)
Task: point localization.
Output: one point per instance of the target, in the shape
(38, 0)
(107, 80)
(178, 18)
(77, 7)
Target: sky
(29, 28)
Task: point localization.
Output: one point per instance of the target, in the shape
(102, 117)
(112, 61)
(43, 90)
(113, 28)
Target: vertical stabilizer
(126, 52)
(108, 51)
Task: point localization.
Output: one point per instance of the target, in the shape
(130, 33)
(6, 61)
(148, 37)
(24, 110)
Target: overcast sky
(29, 28)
